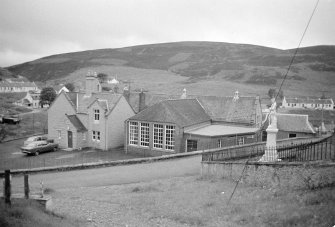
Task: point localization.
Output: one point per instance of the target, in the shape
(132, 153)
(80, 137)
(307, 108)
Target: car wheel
(37, 153)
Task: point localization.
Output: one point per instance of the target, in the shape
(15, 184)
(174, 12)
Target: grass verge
(31, 214)
(193, 201)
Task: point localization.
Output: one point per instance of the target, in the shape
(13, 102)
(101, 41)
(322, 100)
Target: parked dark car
(35, 148)
(13, 119)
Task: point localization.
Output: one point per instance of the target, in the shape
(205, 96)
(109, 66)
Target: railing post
(7, 189)
(26, 186)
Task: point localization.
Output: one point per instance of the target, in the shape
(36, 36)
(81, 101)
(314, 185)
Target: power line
(296, 50)
(288, 69)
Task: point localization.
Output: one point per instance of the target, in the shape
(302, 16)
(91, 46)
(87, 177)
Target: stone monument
(271, 154)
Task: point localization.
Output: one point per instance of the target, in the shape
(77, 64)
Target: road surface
(11, 156)
(111, 175)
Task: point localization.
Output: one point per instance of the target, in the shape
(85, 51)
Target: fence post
(7, 188)
(26, 186)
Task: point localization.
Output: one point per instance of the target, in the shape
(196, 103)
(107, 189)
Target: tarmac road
(111, 175)
(11, 156)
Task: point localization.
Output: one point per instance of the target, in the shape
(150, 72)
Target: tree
(69, 86)
(116, 89)
(323, 96)
(272, 93)
(102, 77)
(48, 95)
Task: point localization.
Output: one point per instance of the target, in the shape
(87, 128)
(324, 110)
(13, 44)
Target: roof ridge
(304, 115)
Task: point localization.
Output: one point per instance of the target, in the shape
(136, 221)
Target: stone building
(192, 123)
(88, 119)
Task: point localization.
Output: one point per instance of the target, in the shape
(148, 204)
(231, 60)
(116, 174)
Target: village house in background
(327, 104)
(292, 126)
(31, 99)
(17, 85)
(90, 118)
(190, 123)
(59, 88)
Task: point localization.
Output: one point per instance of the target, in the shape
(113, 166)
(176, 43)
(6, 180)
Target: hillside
(210, 67)
(5, 73)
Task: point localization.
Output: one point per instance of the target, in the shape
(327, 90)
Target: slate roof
(294, 123)
(76, 123)
(150, 99)
(218, 108)
(309, 101)
(183, 112)
(106, 100)
(228, 110)
(221, 130)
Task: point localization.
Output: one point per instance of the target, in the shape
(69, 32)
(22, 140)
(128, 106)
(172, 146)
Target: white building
(6, 86)
(327, 104)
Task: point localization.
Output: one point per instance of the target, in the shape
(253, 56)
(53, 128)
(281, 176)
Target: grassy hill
(202, 67)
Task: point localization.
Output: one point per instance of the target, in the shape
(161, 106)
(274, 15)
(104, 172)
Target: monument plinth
(271, 154)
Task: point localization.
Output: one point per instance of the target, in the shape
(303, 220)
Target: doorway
(69, 139)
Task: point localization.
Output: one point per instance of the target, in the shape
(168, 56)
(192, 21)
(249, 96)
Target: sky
(31, 29)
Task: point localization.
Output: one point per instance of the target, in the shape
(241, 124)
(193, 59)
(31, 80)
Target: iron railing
(323, 149)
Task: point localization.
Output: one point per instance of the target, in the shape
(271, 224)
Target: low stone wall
(279, 174)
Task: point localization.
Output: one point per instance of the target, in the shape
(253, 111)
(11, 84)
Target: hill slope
(200, 66)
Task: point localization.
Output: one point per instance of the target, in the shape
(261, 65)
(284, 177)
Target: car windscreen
(31, 139)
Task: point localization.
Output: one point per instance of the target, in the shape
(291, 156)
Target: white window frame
(144, 134)
(219, 143)
(158, 136)
(96, 113)
(96, 136)
(170, 137)
(133, 133)
(240, 141)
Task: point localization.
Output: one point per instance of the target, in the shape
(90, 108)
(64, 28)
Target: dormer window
(96, 115)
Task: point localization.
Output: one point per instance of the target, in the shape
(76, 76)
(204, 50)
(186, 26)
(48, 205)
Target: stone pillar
(271, 154)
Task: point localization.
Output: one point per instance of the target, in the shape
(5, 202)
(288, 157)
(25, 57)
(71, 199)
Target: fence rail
(323, 149)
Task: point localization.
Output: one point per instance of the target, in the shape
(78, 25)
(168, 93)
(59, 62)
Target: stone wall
(281, 174)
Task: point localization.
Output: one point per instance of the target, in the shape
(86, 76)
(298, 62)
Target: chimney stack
(141, 101)
(126, 93)
(92, 84)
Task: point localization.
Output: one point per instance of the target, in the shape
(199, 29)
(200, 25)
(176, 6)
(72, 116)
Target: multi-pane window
(96, 114)
(133, 133)
(240, 141)
(169, 137)
(96, 135)
(145, 137)
(158, 135)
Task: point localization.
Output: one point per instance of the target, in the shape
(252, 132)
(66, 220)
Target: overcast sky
(30, 29)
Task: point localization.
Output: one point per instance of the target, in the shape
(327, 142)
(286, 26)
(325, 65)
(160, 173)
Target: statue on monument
(272, 114)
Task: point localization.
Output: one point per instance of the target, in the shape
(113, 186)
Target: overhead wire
(288, 69)
(296, 50)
